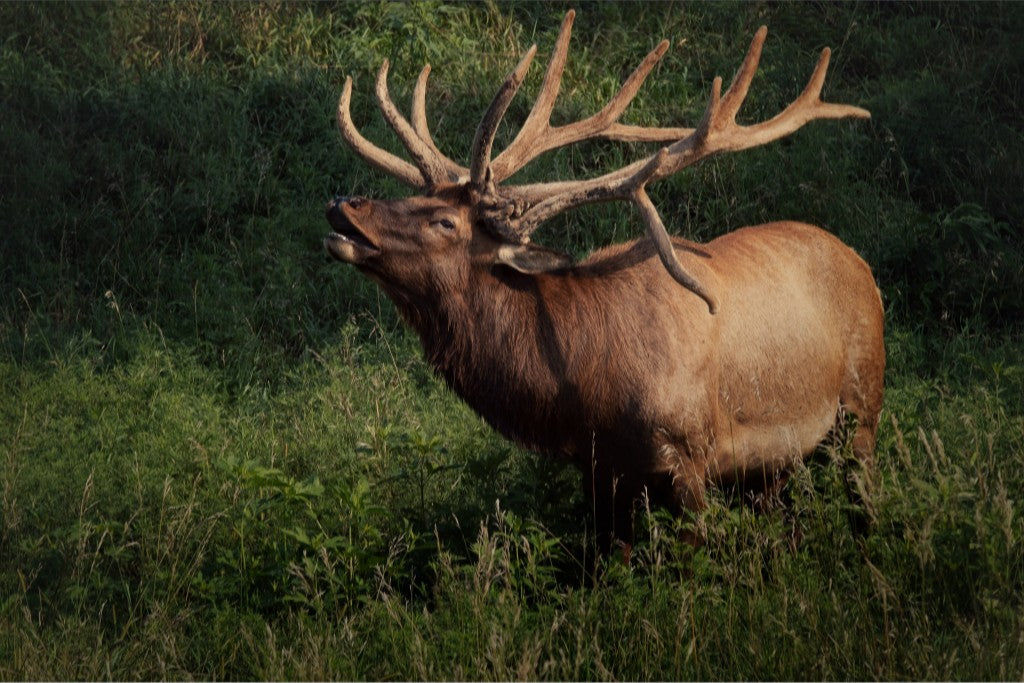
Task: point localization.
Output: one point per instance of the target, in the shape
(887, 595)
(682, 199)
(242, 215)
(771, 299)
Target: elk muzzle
(347, 242)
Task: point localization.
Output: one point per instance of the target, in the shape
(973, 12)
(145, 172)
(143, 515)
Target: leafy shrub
(293, 542)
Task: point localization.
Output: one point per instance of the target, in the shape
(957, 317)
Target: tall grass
(222, 456)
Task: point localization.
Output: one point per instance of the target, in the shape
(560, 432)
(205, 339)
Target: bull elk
(726, 363)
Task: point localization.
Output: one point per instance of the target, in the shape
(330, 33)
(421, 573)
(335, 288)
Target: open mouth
(346, 242)
(352, 237)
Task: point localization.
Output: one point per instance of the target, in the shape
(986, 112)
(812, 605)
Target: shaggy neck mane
(501, 344)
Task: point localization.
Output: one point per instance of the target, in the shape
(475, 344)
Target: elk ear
(530, 258)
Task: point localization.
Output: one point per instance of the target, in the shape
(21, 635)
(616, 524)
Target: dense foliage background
(222, 456)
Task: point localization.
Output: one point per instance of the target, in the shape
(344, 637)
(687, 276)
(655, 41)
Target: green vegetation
(222, 456)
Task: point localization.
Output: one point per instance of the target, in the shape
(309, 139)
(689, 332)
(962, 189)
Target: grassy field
(222, 456)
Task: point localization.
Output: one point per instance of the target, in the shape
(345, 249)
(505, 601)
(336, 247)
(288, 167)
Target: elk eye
(446, 223)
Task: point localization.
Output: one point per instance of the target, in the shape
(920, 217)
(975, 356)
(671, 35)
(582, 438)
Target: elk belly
(751, 450)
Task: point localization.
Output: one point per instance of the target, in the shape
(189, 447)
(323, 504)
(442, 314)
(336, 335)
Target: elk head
(466, 216)
(425, 244)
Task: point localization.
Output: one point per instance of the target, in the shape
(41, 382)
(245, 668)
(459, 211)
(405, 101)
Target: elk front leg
(689, 488)
(684, 476)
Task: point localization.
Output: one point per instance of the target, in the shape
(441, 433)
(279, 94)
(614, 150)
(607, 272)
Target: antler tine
(480, 157)
(427, 158)
(375, 156)
(663, 244)
(737, 92)
(536, 124)
(812, 94)
(419, 105)
(419, 124)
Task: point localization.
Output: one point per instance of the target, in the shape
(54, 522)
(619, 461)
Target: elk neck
(537, 356)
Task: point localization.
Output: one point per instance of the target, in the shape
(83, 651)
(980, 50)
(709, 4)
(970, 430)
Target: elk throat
(498, 348)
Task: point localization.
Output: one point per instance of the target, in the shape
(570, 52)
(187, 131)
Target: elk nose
(334, 206)
(333, 209)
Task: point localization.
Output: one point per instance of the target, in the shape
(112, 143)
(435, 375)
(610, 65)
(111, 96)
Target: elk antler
(717, 132)
(432, 167)
(514, 212)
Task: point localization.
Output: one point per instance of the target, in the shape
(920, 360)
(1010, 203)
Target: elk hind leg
(856, 427)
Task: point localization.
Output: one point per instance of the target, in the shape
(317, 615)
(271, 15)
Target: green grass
(222, 456)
